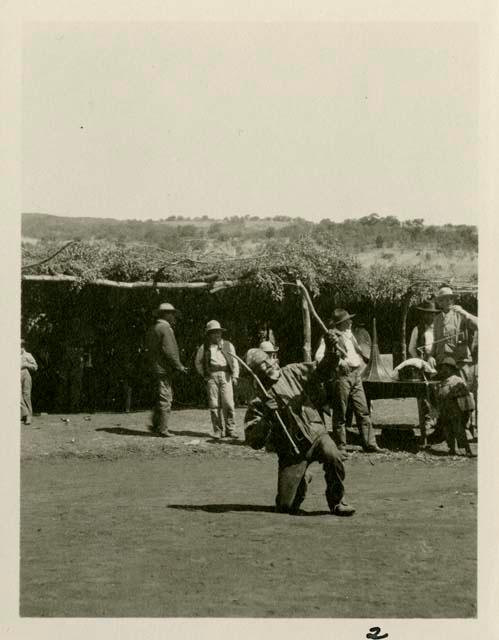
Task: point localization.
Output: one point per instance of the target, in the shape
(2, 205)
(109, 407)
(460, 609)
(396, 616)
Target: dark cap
(450, 362)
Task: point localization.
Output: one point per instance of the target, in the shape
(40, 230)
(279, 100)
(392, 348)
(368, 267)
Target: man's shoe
(343, 510)
(154, 431)
(373, 448)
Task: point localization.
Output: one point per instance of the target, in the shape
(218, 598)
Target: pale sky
(319, 120)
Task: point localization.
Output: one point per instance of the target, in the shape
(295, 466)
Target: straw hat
(213, 325)
(445, 292)
(166, 306)
(268, 347)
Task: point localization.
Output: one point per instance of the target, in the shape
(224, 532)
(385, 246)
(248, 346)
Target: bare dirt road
(117, 523)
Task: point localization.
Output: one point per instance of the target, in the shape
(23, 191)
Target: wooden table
(376, 390)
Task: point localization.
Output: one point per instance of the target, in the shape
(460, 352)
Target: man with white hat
(164, 358)
(452, 331)
(269, 348)
(215, 363)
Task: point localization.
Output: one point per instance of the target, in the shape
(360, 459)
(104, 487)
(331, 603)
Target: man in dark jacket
(289, 393)
(164, 359)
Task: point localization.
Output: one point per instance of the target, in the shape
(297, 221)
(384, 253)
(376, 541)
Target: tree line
(240, 232)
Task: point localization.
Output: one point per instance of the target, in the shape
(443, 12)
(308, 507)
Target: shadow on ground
(399, 439)
(122, 431)
(227, 508)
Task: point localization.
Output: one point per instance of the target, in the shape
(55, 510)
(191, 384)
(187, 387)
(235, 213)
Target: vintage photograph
(249, 320)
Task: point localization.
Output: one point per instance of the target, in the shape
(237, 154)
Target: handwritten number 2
(374, 635)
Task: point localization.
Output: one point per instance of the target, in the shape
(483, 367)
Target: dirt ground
(117, 523)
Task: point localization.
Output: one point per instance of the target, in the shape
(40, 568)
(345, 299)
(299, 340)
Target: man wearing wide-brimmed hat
(452, 332)
(220, 371)
(269, 348)
(347, 385)
(420, 346)
(164, 358)
(421, 341)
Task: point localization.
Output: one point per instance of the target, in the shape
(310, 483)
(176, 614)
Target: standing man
(28, 364)
(452, 331)
(289, 393)
(347, 385)
(421, 346)
(164, 358)
(220, 371)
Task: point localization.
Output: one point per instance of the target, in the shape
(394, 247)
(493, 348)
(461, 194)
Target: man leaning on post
(164, 358)
(289, 391)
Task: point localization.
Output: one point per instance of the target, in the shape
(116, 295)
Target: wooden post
(403, 326)
(307, 330)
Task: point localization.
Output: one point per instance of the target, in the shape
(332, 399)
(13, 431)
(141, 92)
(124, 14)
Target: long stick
(452, 335)
(317, 317)
(267, 395)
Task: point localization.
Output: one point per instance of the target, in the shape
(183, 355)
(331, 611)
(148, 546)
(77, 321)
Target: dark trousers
(469, 374)
(454, 427)
(163, 402)
(349, 388)
(293, 477)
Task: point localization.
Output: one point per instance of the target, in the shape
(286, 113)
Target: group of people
(446, 340)
(215, 361)
(287, 414)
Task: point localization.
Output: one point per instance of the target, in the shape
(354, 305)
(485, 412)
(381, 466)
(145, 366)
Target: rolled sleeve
(321, 350)
(412, 343)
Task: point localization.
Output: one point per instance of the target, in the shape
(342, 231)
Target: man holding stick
(285, 419)
(347, 385)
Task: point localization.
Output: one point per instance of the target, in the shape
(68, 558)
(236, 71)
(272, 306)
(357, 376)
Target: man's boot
(342, 509)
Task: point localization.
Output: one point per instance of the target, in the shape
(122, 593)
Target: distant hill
(240, 234)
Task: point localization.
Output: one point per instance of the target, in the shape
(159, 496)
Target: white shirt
(353, 358)
(428, 343)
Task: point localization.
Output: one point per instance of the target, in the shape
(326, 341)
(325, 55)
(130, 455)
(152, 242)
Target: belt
(216, 369)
